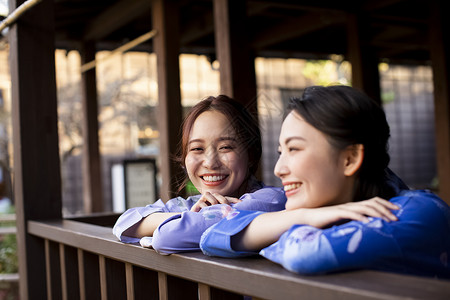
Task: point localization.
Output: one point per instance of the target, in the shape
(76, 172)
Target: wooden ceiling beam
(296, 27)
(204, 25)
(197, 29)
(378, 4)
(312, 6)
(115, 17)
(396, 50)
(394, 33)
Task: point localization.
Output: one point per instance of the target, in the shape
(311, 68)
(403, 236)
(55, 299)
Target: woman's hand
(360, 211)
(209, 199)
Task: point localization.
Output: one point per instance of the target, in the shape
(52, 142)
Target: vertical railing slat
(162, 284)
(62, 265)
(81, 274)
(102, 269)
(130, 281)
(48, 269)
(204, 292)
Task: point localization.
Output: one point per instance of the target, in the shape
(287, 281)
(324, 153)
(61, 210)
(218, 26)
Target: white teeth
(213, 178)
(291, 186)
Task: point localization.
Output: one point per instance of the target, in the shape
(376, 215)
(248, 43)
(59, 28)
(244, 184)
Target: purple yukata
(182, 232)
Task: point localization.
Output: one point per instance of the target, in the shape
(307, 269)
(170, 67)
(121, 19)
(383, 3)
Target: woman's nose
(211, 159)
(281, 168)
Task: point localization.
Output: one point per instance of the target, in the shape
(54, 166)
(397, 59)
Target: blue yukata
(182, 232)
(418, 243)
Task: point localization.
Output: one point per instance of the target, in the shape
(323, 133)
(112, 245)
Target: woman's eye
(226, 147)
(292, 149)
(197, 149)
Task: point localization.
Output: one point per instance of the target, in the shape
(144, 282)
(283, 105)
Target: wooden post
(166, 47)
(237, 63)
(365, 74)
(440, 51)
(92, 175)
(37, 182)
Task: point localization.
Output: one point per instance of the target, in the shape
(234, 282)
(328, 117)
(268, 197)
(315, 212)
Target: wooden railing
(85, 261)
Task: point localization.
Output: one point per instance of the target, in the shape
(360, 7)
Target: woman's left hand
(360, 211)
(209, 199)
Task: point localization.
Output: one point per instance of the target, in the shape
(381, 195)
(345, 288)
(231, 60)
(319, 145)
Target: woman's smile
(290, 188)
(213, 179)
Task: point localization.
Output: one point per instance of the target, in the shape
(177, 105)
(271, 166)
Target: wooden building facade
(71, 259)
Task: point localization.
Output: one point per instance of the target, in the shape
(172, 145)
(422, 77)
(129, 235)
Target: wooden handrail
(8, 230)
(254, 276)
(4, 218)
(13, 277)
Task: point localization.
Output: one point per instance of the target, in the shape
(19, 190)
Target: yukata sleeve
(266, 199)
(182, 233)
(136, 214)
(403, 246)
(216, 240)
(308, 250)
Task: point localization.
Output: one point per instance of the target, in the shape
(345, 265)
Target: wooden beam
(440, 51)
(378, 4)
(365, 74)
(203, 25)
(307, 5)
(37, 180)
(237, 68)
(166, 47)
(92, 175)
(115, 17)
(237, 63)
(197, 29)
(293, 28)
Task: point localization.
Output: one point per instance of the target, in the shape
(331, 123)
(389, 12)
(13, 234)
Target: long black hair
(349, 117)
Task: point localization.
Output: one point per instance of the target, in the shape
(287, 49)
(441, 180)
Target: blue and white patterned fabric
(418, 243)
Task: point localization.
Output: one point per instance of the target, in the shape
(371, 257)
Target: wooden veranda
(80, 259)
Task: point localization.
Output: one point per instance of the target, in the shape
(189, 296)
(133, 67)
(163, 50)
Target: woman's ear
(354, 156)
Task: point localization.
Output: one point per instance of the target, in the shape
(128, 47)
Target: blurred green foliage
(8, 248)
(8, 254)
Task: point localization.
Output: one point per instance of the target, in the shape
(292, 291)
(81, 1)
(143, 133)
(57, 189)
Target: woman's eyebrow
(195, 141)
(287, 140)
(223, 138)
(227, 138)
